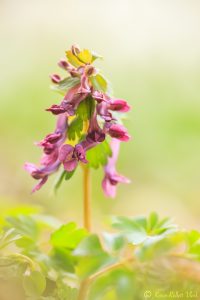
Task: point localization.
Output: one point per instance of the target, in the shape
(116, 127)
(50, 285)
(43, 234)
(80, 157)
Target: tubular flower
(95, 133)
(119, 132)
(70, 156)
(119, 105)
(49, 162)
(111, 177)
(85, 119)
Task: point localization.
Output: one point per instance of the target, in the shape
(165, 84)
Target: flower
(111, 177)
(119, 105)
(55, 78)
(119, 132)
(102, 109)
(49, 162)
(95, 133)
(41, 173)
(89, 124)
(70, 156)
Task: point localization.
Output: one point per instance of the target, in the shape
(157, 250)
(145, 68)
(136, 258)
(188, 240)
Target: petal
(30, 167)
(66, 151)
(108, 188)
(55, 78)
(70, 165)
(119, 105)
(120, 178)
(40, 184)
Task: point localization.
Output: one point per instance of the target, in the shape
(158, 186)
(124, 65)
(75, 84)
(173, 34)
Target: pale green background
(151, 52)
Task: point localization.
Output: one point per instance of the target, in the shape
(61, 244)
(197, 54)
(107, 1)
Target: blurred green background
(151, 52)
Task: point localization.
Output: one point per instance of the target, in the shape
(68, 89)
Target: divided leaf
(75, 128)
(64, 85)
(67, 236)
(85, 56)
(86, 108)
(98, 156)
(99, 83)
(141, 229)
(73, 59)
(91, 257)
(34, 284)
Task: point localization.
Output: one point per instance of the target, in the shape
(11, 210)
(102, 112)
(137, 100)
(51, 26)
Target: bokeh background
(151, 52)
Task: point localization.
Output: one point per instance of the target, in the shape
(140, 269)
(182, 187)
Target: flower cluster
(87, 117)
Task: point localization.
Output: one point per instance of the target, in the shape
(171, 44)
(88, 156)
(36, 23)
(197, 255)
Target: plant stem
(83, 290)
(86, 198)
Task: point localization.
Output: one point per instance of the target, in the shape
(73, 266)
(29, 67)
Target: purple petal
(66, 152)
(55, 78)
(70, 165)
(108, 188)
(40, 184)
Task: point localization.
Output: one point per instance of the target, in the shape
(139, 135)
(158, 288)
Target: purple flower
(111, 177)
(64, 107)
(49, 162)
(102, 110)
(55, 78)
(84, 86)
(72, 99)
(119, 132)
(95, 133)
(70, 156)
(99, 96)
(100, 123)
(41, 173)
(119, 105)
(69, 68)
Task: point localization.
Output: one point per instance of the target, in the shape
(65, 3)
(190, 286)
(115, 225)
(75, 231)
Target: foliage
(60, 262)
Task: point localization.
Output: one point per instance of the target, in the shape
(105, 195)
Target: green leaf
(95, 56)
(118, 282)
(90, 245)
(68, 236)
(59, 180)
(193, 244)
(99, 83)
(152, 221)
(66, 292)
(98, 156)
(89, 265)
(9, 236)
(86, 108)
(24, 225)
(75, 128)
(61, 259)
(13, 265)
(114, 242)
(85, 56)
(90, 256)
(34, 284)
(64, 85)
(133, 231)
(73, 59)
(69, 175)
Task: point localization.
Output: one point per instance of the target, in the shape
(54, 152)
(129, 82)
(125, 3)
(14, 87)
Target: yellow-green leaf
(85, 56)
(99, 83)
(73, 59)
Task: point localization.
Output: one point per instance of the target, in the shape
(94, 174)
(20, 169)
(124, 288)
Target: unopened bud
(75, 49)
